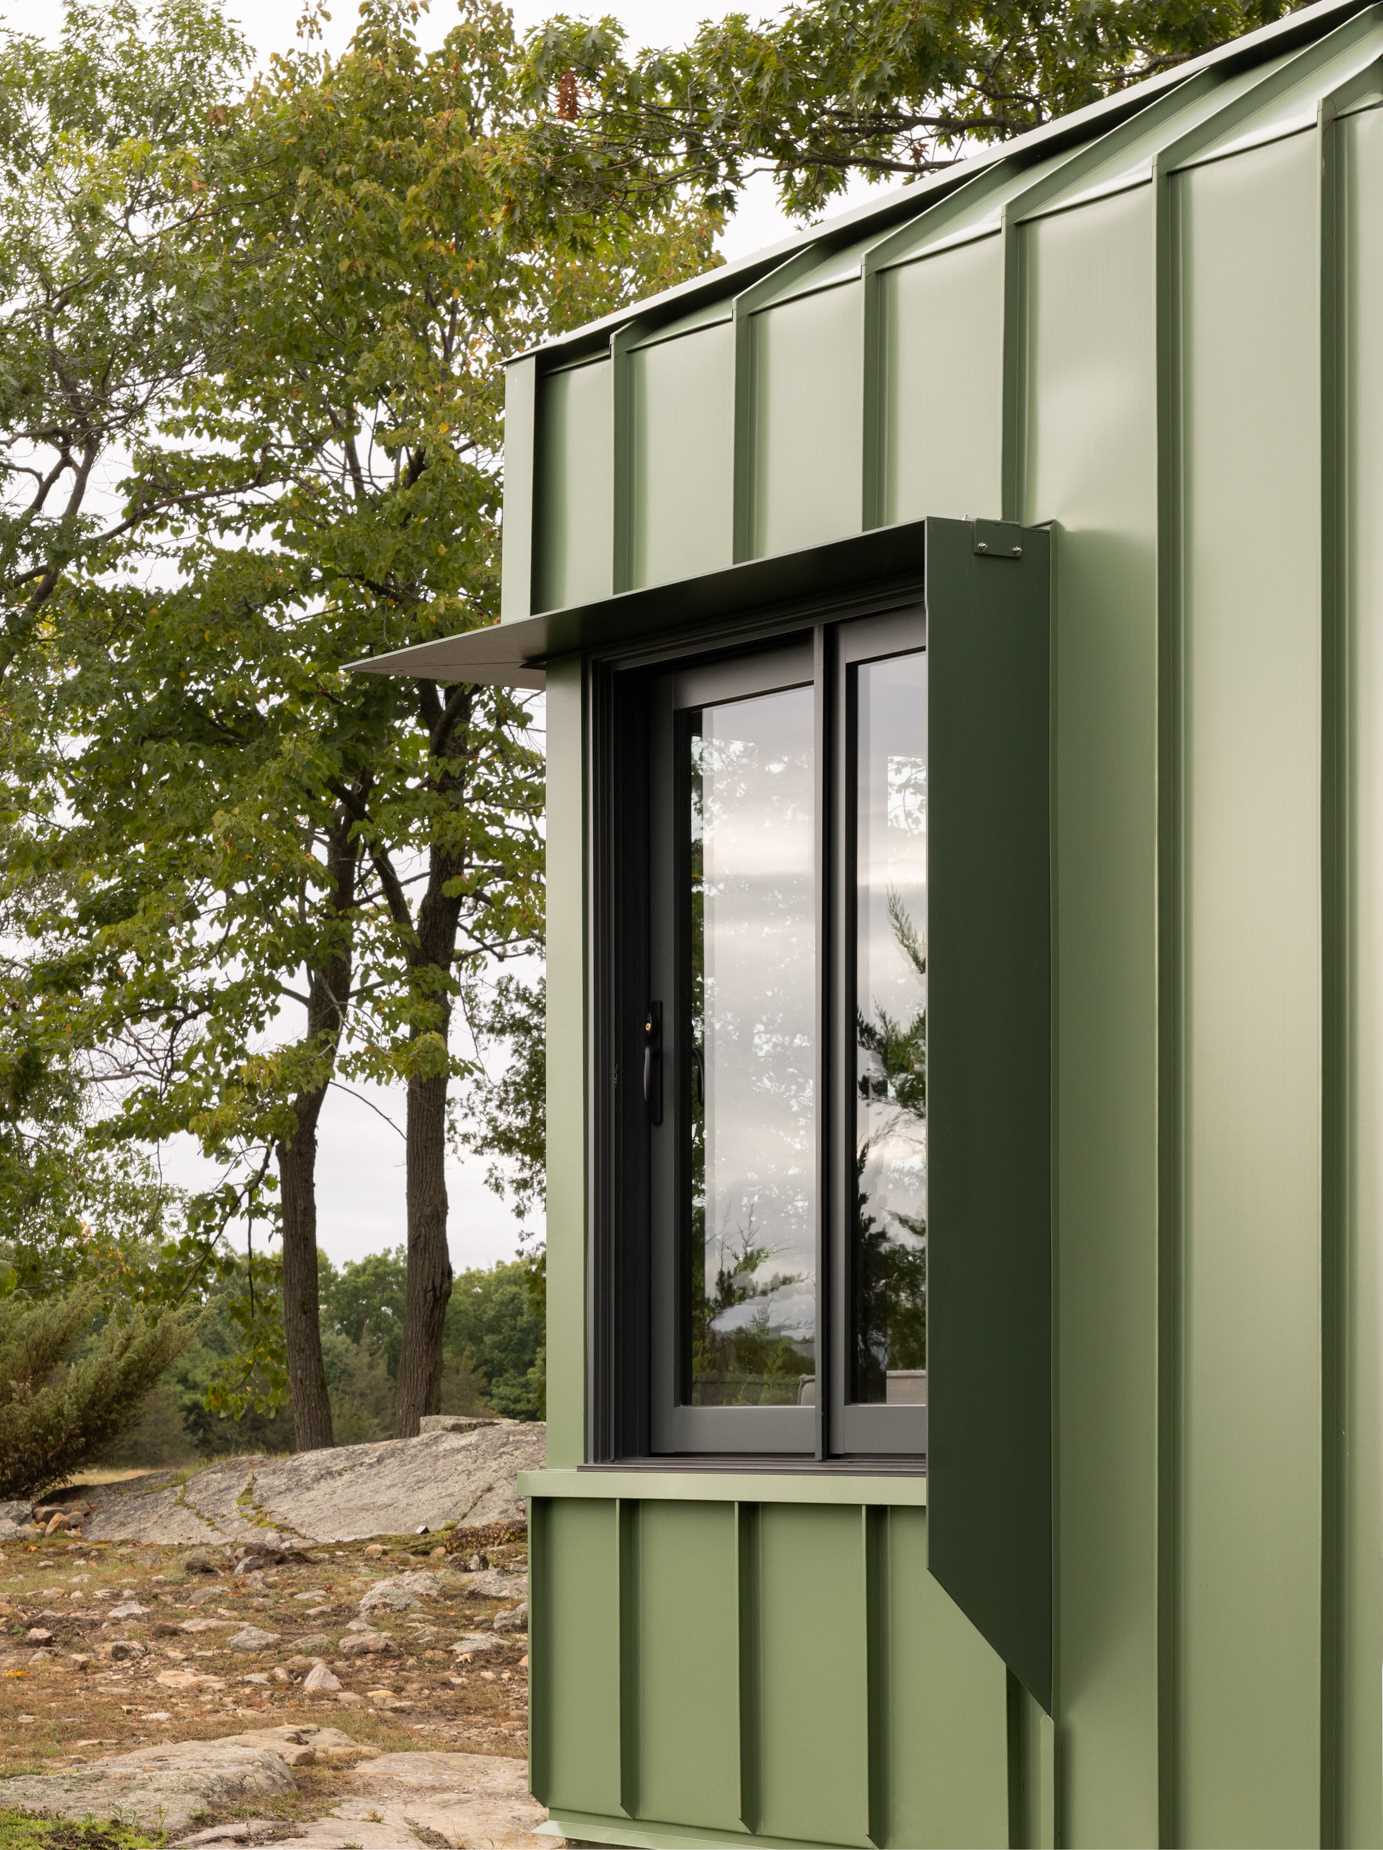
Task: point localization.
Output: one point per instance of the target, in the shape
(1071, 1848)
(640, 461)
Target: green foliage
(493, 1340)
(363, 1302)
(22, 1831)
(62, 1399)
(361, 1386)
(506, 1112)
(830, 88)
(495, 1326)
(241, 872)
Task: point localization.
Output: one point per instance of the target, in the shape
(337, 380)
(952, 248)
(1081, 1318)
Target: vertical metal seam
(627, 1647)
(1170, 938)
(874, 1540)
(1054, 1176)
(621, 458)
(1014, 381)
(742, 459)
(539, 1679)
(747, 1615)
(1333, 976)
(873, 396)
(519, 535)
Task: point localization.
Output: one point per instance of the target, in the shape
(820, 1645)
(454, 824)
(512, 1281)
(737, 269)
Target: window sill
(694, 1484)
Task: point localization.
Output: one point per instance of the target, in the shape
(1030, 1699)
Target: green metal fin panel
(989, 1085)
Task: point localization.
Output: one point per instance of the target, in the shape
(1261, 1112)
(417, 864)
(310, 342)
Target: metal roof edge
(901, 201)
(513, 653)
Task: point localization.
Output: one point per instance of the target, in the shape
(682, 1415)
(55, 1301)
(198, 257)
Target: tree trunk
(429, 1257)
(307, 1381)
(329, 981)
(434, 953)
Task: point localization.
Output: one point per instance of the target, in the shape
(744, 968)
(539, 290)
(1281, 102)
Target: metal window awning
(515, 654)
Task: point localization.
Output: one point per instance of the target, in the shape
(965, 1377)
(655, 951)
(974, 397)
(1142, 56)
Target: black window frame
(632, 1313)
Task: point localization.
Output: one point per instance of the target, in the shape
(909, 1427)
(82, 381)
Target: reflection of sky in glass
(754, 1173)
(891, 1000)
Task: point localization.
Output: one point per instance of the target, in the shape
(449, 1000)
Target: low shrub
(71, 1379)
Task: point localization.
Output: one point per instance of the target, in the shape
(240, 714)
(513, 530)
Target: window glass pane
(749, 1330)
(888, 1256)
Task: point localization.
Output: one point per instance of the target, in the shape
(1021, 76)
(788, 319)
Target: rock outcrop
(390, 1801)
(462, 1473)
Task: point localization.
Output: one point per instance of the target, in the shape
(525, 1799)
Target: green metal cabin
(980, 596)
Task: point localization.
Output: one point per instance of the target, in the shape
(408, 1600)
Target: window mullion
(823, 681)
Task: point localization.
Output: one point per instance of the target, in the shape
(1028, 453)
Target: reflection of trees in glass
(749, 1341)
(889, 1273)
(741, 1361)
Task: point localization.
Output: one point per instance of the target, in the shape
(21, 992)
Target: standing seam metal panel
(1218, 1658)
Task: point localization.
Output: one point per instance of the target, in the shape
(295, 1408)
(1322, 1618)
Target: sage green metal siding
(1161, 334)
(1250, 1298)
(1358, 1300)
(1089, 362)
(783, 1669)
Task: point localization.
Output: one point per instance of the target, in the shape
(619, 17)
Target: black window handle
(653, 1062)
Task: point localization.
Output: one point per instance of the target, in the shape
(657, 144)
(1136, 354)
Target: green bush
(20, 1831)
(70, 1382)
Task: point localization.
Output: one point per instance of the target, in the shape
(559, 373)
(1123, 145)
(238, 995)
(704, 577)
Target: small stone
(515, 1620)
(37, 1635)
(79, 1660)
(357, 1644)
(127, 1609)
(495, 1583)
(320, 1681)
(314, 1642)
(252, 1638)
(245, 1831)
(476, 1644)
(349, 1698)
(375, 1550)
(280, 1675)
(198, 1561)
(205, 1625)
(124, 1650)
(403, 1592)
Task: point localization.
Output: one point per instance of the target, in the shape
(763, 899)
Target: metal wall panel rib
(807, 457)
(1360, 1432)
(685, 1659)
(1091, 394)
(681, 436)
(566, 1065)
(1250, 1312)
(942, 319)
(578, 1650)
(574, 542)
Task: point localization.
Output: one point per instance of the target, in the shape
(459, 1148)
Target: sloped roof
(1247, 90)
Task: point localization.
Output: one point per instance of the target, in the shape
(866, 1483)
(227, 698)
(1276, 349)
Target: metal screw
(982, 546)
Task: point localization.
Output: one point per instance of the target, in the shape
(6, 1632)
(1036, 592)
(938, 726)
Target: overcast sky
(360, 1173)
